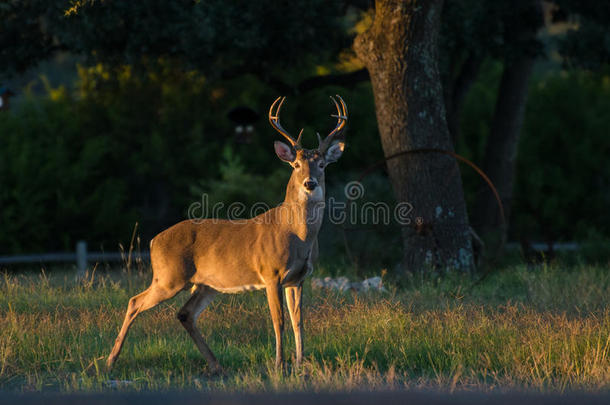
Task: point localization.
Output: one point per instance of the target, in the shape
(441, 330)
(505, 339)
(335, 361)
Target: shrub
(561, 161)
(562, 188)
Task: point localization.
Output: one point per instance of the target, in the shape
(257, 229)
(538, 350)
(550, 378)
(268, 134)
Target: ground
(543, 329)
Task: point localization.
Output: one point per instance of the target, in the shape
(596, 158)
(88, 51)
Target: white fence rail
(81, 257)
(543, 246)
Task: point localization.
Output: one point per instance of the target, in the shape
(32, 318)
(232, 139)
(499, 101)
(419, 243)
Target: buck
(274, 251)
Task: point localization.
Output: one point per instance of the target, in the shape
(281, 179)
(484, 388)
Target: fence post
(81, 258)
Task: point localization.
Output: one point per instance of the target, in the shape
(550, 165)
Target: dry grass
(543, 330)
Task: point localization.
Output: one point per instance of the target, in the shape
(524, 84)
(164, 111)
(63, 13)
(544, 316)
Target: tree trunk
(400, 52)
(457, 90)
(501, 149)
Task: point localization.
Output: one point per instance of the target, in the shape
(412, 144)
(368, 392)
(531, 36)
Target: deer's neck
(303, 212)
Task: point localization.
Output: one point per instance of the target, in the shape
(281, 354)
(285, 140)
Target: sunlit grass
(544, 329)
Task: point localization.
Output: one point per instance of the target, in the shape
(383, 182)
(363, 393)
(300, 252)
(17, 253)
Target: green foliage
(211, 36)
(359, 241)
(144, 134)
(595, 246)
(478, 30)
(135, 142)
(563, 183)
(24, 41)
(89, 166)
(238, 184)
(561, 162)
(55, 187)
(587, 43)
(160, 123)
(475, 123)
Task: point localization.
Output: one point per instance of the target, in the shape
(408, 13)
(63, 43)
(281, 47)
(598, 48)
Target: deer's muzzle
(310, 184)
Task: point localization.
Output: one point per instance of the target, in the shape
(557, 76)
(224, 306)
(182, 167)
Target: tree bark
(400, 52)
(457, 90)
(501, 148)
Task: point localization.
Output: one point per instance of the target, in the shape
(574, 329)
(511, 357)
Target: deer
(273, 251)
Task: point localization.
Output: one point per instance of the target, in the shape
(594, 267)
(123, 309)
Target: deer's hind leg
(188, 315)
(152, 296)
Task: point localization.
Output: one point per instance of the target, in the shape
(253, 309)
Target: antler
(324, 144)
(274, 119)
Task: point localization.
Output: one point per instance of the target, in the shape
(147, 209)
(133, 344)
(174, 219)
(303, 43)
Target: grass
(544, 329)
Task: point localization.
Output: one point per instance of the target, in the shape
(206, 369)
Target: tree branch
(311, 83)
(459, 89)
(343, 79)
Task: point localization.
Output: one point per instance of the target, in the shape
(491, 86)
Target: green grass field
(544, 329)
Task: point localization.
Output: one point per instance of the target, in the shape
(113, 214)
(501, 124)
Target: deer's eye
(297, 165)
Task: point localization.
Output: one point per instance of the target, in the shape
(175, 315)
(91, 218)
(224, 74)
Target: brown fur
(274, 250)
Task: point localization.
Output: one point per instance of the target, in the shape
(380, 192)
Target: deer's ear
(334, 152)
(284, 151)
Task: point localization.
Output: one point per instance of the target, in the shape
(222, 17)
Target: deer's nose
(310, 184)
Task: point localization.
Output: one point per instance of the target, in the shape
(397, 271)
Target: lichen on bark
(400, 51)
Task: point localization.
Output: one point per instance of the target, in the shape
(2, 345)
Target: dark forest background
(124, 113)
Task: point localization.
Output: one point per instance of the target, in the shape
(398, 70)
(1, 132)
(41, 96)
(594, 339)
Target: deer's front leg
(293, 300)
(274, 297)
